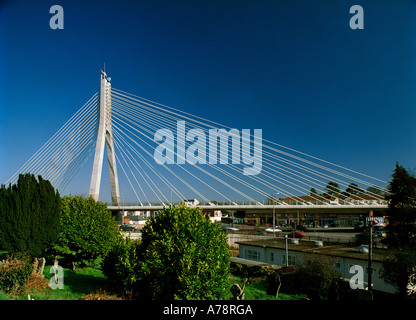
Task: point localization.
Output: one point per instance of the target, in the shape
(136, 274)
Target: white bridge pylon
(105, 136)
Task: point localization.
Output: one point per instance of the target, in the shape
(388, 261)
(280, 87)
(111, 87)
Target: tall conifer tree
(29, 215)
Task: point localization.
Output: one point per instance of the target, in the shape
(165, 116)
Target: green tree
(182, 256)
(353, 189)
(401, 230)
(374, 190)
(313, 192)
(398, 268)
(88, 231)
(29, 215)
(332, 188)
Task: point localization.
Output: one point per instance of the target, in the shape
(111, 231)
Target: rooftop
(337, 250)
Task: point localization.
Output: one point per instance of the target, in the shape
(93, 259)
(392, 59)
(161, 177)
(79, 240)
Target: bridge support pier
(105, 136)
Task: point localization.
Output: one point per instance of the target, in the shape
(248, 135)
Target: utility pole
(287, 253)
(370, 224)
(274, 214)
(274, 220)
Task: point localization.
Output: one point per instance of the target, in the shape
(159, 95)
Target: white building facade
(343, 258)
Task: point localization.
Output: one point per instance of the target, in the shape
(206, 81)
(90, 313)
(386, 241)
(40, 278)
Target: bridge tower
(105, 136)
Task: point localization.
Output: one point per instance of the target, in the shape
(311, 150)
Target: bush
(119, 265)
(14, 273)
(399, 269)
(317, 276)
(282, 280)
(87, 231)
(183, 255)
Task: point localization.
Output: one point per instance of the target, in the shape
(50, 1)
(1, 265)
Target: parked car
(296, 234)
(127, 227)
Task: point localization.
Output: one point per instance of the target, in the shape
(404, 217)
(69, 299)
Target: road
(343, 235)
(251, 233)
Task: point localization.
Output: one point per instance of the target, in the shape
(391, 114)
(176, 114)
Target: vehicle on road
(228, 229)
(271, 229)
(127, 227)
(296, 234)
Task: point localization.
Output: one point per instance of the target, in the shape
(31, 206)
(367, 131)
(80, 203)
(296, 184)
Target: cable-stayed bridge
(166, 155)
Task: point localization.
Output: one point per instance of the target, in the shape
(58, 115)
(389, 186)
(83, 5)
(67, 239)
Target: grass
(91, 284)
(257, 290)
(83, 283)
(76, 284)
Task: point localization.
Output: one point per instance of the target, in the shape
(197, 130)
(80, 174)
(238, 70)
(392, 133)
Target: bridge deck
(364, 208)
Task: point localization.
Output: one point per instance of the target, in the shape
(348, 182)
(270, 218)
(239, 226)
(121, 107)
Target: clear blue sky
(294, 69)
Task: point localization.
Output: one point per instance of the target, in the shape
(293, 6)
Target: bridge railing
(277, 204)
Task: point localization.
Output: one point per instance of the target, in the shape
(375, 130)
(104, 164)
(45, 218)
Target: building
(273, 252)
(191, 202)
(214, 215)
(314, 217)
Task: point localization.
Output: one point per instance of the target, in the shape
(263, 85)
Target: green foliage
(183, 255)
(14, 272)
(316, 273)
(332, 188)
(285, 277)
(29, 215)
(401, 230)
(246, 271)
(398, 268)
(119, 265)
(87, 230)
(353, 189)
(375, 190)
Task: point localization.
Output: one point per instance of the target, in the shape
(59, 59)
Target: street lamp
(122, 211)
(370, 224)
(287, 253)
(274, 215)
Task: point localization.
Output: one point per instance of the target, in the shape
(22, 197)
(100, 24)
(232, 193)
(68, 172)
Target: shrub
(119, 265)
(14, 273)
(87, 231)
(183, 255)
(282, 279)
(317, 275)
